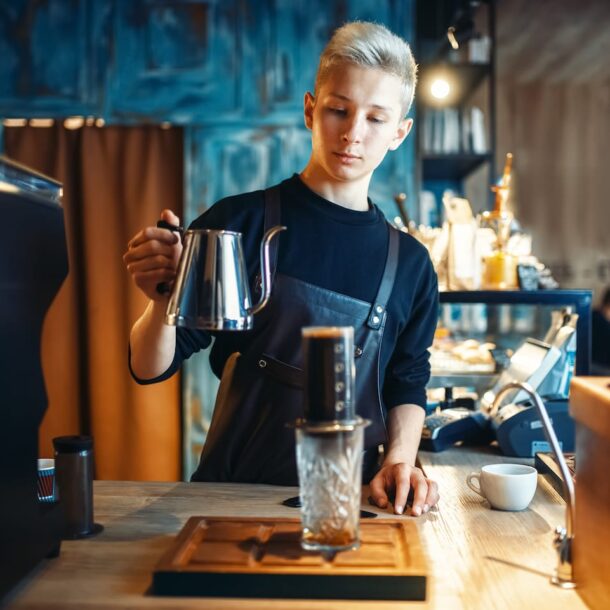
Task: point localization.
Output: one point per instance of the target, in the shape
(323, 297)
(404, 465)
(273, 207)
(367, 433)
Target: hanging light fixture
(440, 88)
(463, 27)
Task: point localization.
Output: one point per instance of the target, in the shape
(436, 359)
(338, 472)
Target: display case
(479, 331)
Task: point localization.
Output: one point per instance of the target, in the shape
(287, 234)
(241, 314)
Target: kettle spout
(265, 269)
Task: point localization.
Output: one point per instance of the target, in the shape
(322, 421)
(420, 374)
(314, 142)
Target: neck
(352, 195)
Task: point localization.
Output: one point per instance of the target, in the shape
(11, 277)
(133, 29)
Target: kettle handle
(163, 287)
(265, 269)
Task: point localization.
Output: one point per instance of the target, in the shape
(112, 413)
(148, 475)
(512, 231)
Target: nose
(353, 129)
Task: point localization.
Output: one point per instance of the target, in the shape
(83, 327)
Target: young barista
(338, 263)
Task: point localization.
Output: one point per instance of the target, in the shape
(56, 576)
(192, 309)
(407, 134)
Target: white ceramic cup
(505, 486)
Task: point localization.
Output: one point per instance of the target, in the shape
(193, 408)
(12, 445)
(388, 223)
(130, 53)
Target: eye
(375, 119)
(336, 110)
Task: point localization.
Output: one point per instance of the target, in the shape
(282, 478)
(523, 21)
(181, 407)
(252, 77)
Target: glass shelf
(451, 166)
(538, 302)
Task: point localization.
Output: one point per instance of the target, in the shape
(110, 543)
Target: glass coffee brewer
(329, 442)
(500, 266)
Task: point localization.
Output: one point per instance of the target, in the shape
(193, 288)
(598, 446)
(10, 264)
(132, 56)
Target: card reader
(520, 433)
(443, 429)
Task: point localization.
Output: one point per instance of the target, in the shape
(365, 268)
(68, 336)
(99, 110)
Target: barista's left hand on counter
(398, 475)
(396, 479)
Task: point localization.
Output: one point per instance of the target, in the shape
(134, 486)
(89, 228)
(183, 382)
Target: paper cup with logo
(47, 490)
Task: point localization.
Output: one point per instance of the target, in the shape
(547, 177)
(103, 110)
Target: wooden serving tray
(253, 557)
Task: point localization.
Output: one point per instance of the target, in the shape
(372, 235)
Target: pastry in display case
(466, 356)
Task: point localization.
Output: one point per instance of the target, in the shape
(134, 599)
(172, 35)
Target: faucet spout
(564, 536)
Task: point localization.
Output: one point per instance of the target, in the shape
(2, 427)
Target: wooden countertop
(478, 558)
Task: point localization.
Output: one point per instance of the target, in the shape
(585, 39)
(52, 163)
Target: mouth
(346, 157)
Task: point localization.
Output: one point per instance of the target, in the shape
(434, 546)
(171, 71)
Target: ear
(402, 131)
(308, 104)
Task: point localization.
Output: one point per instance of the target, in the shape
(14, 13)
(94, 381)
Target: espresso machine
(33, 265)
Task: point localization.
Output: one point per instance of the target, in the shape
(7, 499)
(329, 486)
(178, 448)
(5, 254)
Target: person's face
(355, 119)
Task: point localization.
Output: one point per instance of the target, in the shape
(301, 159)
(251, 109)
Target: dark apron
(250, 439)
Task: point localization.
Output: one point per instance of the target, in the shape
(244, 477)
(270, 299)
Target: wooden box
(256, 557)
(590, 407)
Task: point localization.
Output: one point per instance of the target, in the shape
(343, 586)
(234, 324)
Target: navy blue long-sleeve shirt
(341, 250)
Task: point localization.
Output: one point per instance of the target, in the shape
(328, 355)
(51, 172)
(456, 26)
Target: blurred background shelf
(466, 380)
(455, 104)
(451, 166)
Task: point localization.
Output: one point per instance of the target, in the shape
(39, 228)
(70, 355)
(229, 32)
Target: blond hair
(370, 45)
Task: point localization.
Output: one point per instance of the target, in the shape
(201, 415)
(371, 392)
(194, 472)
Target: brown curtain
(116, 180)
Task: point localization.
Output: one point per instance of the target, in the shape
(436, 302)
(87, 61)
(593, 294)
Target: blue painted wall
(230, 71)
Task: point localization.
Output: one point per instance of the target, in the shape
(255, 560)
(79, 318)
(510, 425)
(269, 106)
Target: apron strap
(377, 313)
(272, 219)
(378, 309)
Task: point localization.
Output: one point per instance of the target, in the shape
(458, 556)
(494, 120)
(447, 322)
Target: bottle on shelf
(500, 266)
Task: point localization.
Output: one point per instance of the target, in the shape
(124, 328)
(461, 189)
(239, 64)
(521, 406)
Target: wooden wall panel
(228, 160)
(53, 57)
(176, 61)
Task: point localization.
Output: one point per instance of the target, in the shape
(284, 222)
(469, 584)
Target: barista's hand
(152, 257)
(396, 480)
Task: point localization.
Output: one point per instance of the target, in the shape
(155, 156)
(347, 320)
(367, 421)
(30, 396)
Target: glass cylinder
(330, 477)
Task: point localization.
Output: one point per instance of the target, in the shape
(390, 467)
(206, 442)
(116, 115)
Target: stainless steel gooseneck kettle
(211, 290)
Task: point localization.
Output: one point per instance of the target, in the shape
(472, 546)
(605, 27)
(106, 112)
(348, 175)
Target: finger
(137, 260)
(154, 234)
(150, 263)
(154, 276)
(170, 217)
(149, 249)
(420, 491)
(433, 495)
(401, 481)
(378, 492)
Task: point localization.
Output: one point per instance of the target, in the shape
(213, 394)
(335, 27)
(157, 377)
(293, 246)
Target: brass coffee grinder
(500, 266)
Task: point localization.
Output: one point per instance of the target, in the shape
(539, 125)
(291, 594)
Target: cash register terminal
(532, 362)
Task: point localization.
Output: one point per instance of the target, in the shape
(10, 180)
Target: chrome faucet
(563, 576)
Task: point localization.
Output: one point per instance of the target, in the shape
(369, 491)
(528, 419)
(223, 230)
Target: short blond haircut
(370, 45)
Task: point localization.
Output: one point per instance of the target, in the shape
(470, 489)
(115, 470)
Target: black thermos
(74, 473)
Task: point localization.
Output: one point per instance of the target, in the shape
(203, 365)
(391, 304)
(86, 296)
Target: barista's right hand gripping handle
(163, 287)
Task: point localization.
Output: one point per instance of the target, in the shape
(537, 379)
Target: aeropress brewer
(329, 442)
